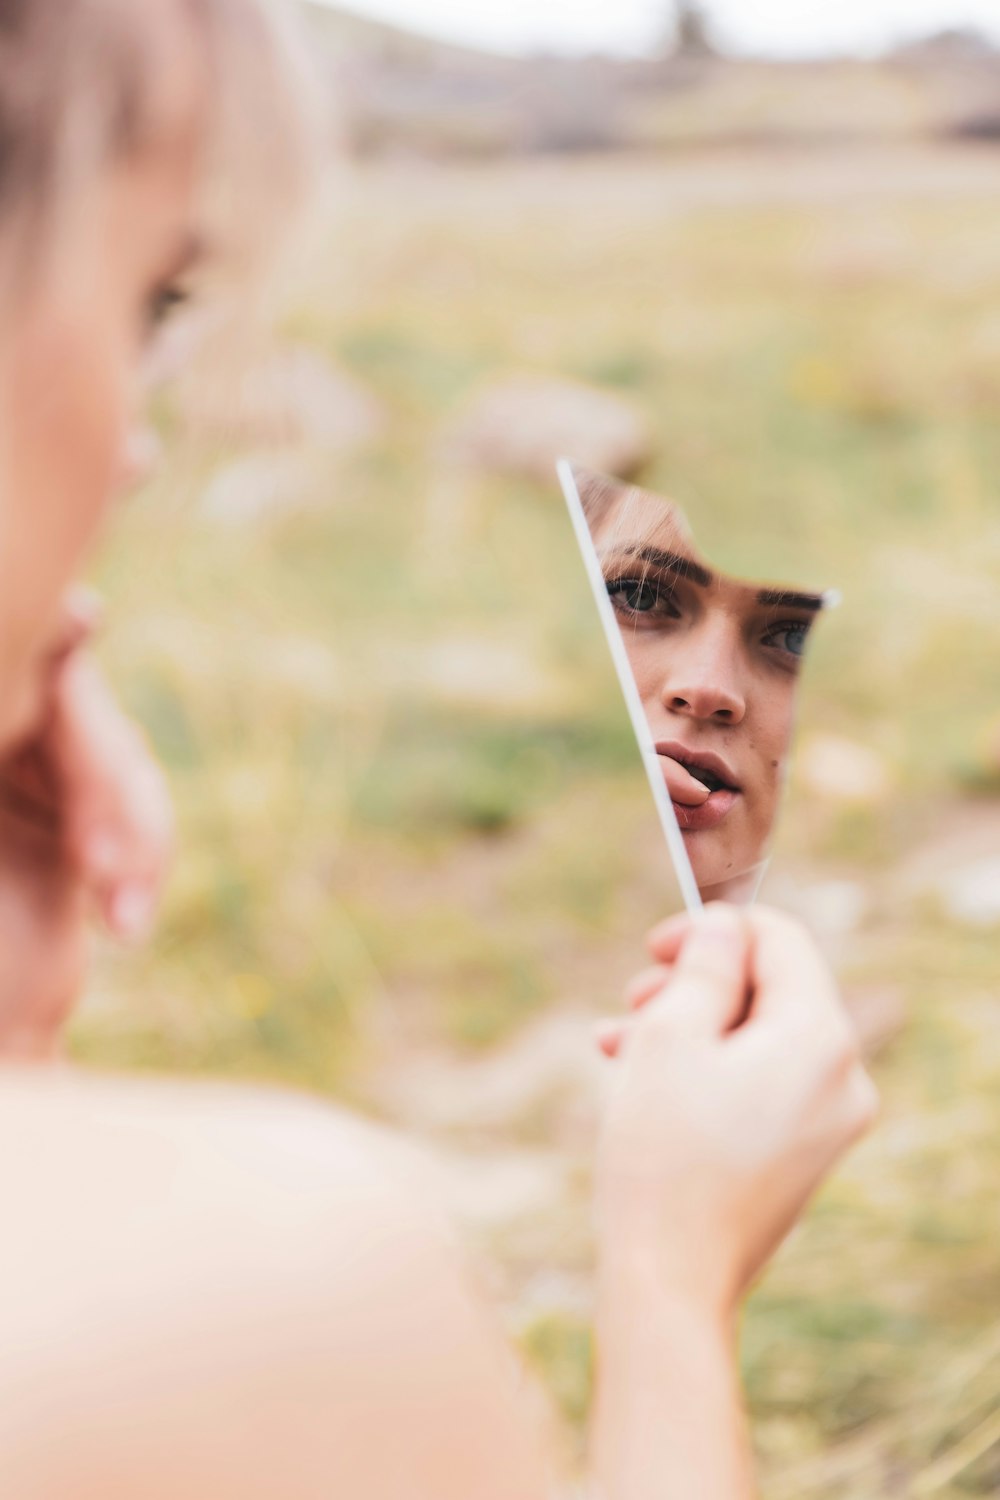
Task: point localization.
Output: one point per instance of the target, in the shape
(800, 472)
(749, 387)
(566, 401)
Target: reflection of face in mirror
(716, 661)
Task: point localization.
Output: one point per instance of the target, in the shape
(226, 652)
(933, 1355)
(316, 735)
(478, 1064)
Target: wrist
(686, 1280)
(668, 1414)
(639, 1299)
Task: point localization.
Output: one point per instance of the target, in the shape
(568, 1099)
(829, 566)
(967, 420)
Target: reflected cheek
(648, 663)
(774, 726)
(762, 806)
(769, 748)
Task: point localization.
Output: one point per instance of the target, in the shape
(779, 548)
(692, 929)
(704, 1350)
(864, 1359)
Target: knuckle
(690, 995)
(666, 934)
(857, 1109)
(642, 987)
(838, 1051)
(702, 967)
(774, 923)
(656, 1026)
(847, 1051)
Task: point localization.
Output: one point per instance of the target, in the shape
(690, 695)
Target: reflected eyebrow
(668, 562)
(783, 599)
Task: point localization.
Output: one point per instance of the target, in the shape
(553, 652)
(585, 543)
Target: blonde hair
(75, 80)
(619, 511)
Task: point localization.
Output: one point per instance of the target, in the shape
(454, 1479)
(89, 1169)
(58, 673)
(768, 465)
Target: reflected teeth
(707, 778)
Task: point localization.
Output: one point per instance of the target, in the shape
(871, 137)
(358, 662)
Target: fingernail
(608, 1037)
(132, 912)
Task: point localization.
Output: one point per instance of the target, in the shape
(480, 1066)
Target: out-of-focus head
(138, 140)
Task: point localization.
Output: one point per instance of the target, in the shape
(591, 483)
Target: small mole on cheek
(774, 765)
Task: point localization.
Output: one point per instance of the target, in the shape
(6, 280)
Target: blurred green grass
(411, 818)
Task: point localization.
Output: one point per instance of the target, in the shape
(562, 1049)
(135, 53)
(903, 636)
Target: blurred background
(755, 261)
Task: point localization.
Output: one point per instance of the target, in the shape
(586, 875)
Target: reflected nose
(703, 680)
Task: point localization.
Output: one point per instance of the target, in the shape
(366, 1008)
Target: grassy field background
(417, 855)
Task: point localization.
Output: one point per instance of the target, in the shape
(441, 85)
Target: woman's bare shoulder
(249, 1283)
(170, 1179)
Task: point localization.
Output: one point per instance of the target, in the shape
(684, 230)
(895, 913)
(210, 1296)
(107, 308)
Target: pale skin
(241, 1294)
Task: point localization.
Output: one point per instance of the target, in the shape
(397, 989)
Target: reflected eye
(790, 636)
(641, 596)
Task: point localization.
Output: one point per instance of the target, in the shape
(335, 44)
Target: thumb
(708, 992)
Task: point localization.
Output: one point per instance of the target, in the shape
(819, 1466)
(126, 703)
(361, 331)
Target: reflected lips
(709, 815)
(702, 787)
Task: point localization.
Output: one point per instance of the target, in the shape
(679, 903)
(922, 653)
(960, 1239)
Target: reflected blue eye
(790, 636)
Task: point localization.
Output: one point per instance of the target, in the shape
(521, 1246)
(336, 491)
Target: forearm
(669, 1416)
